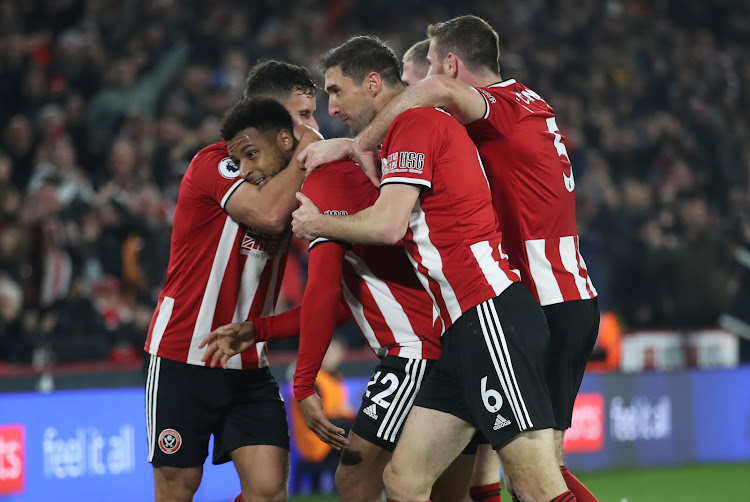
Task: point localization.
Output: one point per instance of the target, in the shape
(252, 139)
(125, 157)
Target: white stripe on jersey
(547, 288)
(496, 276)
(230, 192)
(432, 261)
(390, 309)
(358, 313)
(569, 258)
(160, 325)
(248, 288)
(208, 304)
(268, 307)
(408, 181)
(583, 266)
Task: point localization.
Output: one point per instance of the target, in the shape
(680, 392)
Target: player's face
(260, 155)
(302, 107)
(436, 63)
(411, 75)
(348, 101)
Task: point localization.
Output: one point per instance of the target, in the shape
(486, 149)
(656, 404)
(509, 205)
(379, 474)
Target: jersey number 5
(570, 183)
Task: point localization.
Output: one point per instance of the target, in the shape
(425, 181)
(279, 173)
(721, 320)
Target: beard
(366, 115)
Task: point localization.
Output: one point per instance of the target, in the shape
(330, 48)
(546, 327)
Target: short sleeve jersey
(453, 238)
(533, 191)
(387, 301)
(220, 271)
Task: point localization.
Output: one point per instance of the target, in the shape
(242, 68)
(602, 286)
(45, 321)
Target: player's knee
(403, 481)
(174, 483)
(345, 478)
(266, 492)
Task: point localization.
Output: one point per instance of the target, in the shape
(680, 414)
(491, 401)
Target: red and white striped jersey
(453, 239)
(220, 271)
(533, 191)
(393, 311)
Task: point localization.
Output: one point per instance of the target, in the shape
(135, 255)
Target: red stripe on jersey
(565, 280)
(427, 282)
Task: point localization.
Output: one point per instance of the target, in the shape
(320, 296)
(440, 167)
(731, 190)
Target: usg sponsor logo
(586, 433)
(642, 419)
(88, 452)
(12, 459)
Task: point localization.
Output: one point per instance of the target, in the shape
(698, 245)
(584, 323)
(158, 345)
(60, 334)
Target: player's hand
(226, 341)
(304, 218)
(321, 152)
(369, 163)
(312, 410)
(306, 136)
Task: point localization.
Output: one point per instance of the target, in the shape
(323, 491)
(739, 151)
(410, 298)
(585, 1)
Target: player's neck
(481, 80)
(386, 95)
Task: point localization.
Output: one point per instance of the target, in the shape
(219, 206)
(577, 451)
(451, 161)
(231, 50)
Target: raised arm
(385, 222)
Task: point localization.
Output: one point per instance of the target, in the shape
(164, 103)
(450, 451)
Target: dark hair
(264, 114)
(277, 79)
(361, 55)
(470, 38)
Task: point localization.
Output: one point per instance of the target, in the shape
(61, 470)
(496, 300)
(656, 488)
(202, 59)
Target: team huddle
(445, 228)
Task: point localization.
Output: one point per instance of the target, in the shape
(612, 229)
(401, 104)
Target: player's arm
(317, 323)
(385, 222)
(230, 339)
(268, 207)
(461, 100)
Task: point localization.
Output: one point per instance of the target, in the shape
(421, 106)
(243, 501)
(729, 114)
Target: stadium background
(103, 104)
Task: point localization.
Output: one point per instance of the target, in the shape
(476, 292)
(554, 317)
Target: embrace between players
(462, 271)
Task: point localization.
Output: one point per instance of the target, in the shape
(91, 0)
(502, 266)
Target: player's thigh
(429, 443)
(573, 330)
(359, 476)
(530, 466)
(263, 471)
(389, 396)
(453, 484)
(255, 415)
(503, 346)
(486, 468)
(184, 406)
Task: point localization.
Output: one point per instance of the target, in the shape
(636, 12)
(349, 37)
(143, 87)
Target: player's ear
(372, 83)
(450, 65)
(285, 140)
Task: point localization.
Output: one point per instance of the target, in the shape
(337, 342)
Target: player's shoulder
(510, 90)
(336, 169)
(340, 178)
(419, 119)
(215, 157)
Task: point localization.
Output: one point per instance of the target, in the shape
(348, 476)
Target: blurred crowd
(105, 103)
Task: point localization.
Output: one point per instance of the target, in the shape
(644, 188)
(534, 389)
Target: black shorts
(573, 328)
(388, 399)
(492, 370)
(186, 404)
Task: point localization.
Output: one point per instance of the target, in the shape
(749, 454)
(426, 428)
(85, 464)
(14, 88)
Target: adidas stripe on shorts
(389, 396)
(492, 370)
